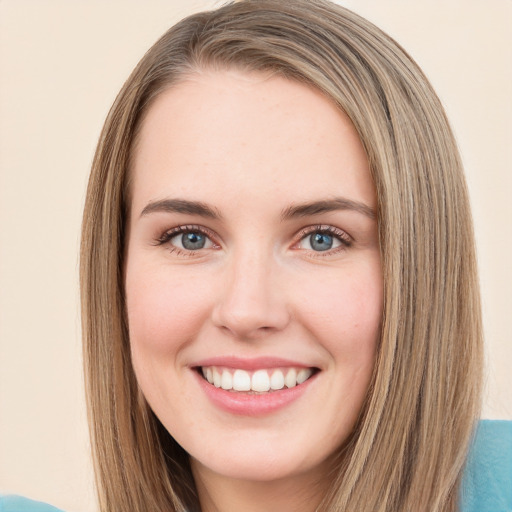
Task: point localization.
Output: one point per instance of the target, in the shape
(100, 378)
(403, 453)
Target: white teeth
(227, 380)
(277, 380)
(217, 379)
(261, 381)
(241, 381)
(303, 375)
(291, 378)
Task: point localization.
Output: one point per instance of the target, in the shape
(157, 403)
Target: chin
(261, 461)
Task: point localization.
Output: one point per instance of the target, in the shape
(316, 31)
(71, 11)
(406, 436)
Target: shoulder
(19, 504)
(487, 484)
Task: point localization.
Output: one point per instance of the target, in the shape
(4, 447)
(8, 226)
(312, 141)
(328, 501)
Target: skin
(251, 147)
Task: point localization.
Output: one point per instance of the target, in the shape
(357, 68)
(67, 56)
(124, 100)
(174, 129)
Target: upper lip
(250, 363)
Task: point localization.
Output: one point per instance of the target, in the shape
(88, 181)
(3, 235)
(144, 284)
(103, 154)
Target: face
(253, 278)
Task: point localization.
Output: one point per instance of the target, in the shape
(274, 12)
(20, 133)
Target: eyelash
(344, 239)
(167, 236)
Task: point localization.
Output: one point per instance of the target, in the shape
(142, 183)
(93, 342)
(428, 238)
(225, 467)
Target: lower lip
(245, 404)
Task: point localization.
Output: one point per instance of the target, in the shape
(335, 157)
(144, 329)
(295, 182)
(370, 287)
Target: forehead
(235, 130)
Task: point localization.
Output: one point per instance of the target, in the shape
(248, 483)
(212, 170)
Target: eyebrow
(294, 211)
(328, 205)
(181, 206)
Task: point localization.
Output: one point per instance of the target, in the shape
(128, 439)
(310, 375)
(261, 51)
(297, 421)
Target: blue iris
(321, 241)
(193, 241)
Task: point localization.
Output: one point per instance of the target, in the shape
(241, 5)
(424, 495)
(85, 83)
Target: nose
(251, 303)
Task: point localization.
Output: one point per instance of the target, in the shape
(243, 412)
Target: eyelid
(345, 239)
(325, 228)
(167, 235)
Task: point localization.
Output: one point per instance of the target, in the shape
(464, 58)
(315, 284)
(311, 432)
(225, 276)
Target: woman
(403, 439)
(280, 301)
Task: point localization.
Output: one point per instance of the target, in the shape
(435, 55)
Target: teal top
(487, 485)
(19, 504)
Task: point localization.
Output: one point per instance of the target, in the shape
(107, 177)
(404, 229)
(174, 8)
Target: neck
(218, 493)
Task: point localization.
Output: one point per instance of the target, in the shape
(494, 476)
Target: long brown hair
(409, 445)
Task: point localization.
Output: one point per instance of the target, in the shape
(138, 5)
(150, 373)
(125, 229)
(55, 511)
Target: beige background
(61, 64)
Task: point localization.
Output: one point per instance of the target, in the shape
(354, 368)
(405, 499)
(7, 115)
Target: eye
(187, 239)
(322, 241)
(191, 241)
(323, 238)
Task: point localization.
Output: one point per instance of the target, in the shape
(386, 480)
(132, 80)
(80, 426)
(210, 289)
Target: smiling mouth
(258, 381)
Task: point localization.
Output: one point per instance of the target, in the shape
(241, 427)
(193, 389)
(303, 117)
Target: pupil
(321, 241)
(192, 241)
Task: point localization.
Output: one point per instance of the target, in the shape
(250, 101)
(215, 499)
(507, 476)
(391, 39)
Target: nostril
(250, 320)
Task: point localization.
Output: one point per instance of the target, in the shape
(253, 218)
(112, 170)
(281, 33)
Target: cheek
(346, 313)
(163, 310)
